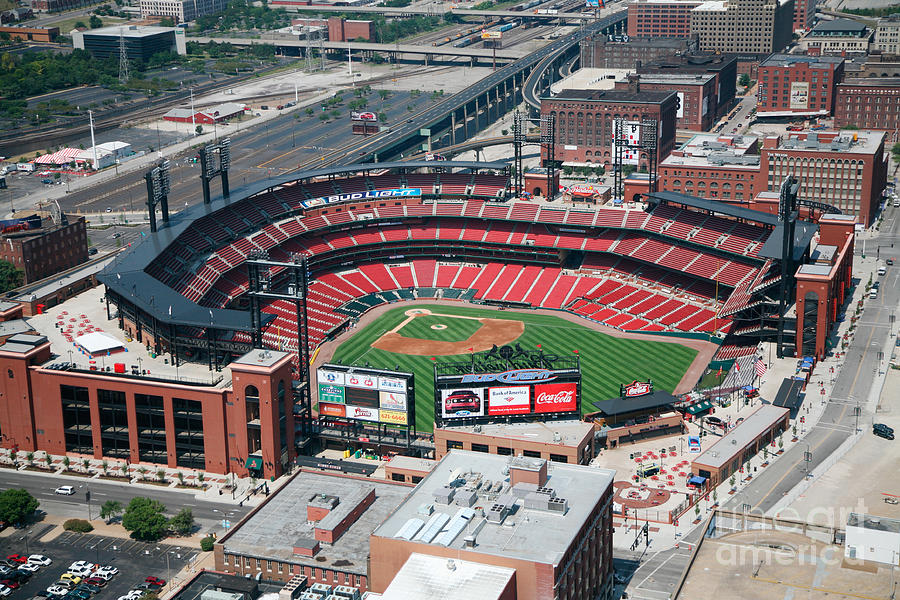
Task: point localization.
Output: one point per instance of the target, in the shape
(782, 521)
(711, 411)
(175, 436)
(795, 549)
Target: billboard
(629, 136)
(367, 195)
(527, 392)
(555, 398)
(636, 389)
(22, 224)
(457, 403)
(365, 394)
(369, 117)
(799, 94)
(491, 35)
(509, 400)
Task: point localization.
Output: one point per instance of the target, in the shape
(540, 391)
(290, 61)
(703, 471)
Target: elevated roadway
(462, 115)
(392, 49)
(427, 10)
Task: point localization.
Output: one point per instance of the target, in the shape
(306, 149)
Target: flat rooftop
(570, 431)
(775, 564)
(873, 522)
(90, 304)
(645, 96)
(711, 150)
(412, 463)
(866, 142)
(130, 31)
(591, 79)
(272, 532)
(816, 62)
(530, 534)
(426, 577)
(262, 358)
(739, 437)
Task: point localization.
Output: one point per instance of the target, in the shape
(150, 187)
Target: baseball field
(415, 338)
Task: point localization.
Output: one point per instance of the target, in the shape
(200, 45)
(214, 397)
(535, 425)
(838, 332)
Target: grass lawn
(606, 361)
(456, 330)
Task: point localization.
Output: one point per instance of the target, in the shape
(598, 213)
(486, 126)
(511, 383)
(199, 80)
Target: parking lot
(135, 560)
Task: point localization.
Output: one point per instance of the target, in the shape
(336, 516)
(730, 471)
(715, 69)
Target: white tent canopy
(96, 343)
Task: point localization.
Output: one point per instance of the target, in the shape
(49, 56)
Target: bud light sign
(514, 376)
(555, 397)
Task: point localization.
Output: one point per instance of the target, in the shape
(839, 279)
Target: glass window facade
(151, 426)
(76, 407)
(189, 448)
(113, 423)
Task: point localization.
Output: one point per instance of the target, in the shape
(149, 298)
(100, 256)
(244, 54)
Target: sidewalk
(212, 487)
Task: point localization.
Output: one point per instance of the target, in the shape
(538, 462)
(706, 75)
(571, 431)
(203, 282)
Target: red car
(462, 400)
(155, 580)
(95, 581)
(13, 585)
(17, 558)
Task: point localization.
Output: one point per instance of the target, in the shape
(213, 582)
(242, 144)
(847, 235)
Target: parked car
(29, 568)
(107, 569)
(40, 559)
(87, 587)
(17, 558)
(10, 583)
(152, 579)
(883, 431)
(73, 577)
(95, 581)
(5, 591)
(64, 490)
(57, 590)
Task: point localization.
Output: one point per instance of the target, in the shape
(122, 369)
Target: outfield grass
(606, 361)
(458, 330)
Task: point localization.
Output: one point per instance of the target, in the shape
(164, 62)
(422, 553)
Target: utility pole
(123, 59)
(93, 142)
(349, 61)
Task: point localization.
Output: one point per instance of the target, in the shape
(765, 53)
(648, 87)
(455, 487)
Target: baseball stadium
(406, 265)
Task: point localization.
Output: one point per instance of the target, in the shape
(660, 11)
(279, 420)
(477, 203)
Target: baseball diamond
(608, 358)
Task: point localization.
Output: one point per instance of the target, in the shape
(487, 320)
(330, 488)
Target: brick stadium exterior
(368, 239)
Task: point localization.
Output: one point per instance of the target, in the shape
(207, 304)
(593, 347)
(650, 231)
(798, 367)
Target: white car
(83, 572)
(65, 490)
(82, 564)
(57, 590)
(4, 591)
(29, 567)
(39, 559)
(104, 575)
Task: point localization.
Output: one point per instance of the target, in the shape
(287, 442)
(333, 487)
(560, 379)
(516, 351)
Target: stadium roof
(803, 235)
(618, 406)
(126, 275)
(715, 206)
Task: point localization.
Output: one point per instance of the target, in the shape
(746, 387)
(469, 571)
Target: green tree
(65, 463)
(16, 505)
(183, 522)
(111, 509)
(199, 129)
(145, 520)
(745, 80)
(10, 276)
(895, 150)
(80, 25)
(167, 22)
(95, 22)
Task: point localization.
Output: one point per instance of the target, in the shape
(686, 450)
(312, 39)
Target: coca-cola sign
(555, 397)
(635, 389)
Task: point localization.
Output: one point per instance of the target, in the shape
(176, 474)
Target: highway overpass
(408, 11)
(462, 115)
(393, 51)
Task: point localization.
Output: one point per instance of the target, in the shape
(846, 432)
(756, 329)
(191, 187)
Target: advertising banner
(331, 393)
(799, 94)
(368, 382)
(509, 400)
(367, 195)
(393, 417)
(629, 139)
(555, 397)
(363, 116)
(329, 376)
(457, 403)
(392, 384)
(636, 389)
(361, 413)
(331, 410)
(392, 401)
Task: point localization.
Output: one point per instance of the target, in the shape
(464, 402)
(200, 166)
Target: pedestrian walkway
(213, 487)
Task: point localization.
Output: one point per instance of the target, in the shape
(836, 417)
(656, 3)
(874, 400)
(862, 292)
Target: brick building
(339, 28)
(804, 14)
(823, 285)
(603, 51)
(45, 251)
(741, 26)
(244, 428)
(562, 441)
(550, 522)
(584, 121)
(837, 37)
(316, 525)
(697, 100)
(870, 103)
(723, 67)
(799, 85)
(844, 169)
(661, 18)
(31, 34)
(720, 167)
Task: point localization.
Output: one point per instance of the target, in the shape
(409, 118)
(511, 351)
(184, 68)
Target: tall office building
(743, 26)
